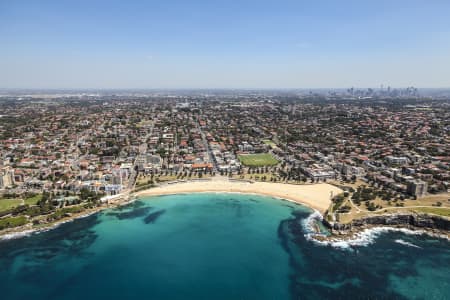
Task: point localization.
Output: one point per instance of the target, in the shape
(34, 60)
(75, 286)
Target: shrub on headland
(12, 222)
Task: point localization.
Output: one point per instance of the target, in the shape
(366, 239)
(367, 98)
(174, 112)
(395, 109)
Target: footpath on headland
(316, 196)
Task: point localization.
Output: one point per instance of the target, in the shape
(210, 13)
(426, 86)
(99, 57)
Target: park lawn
(440, 211)
(163, 178)
(12, 222)
(143, 180)
(61, 213)
(270, 143)
(33, 200)
(257, 177)
(6, 204)
(257, 160)
(144, 123)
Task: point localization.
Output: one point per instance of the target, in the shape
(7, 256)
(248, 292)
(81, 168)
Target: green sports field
(257, 160)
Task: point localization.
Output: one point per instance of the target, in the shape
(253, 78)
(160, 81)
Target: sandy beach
(316, 196)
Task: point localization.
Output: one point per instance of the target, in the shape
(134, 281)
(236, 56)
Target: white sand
(317, 196)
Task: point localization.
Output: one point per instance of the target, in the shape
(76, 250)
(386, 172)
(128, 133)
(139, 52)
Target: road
(208, 149)
(134, 173)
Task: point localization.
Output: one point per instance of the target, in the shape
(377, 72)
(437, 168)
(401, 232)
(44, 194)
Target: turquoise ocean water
(217, 246)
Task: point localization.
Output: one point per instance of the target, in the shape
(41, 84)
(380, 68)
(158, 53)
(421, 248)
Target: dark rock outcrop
(407, 220)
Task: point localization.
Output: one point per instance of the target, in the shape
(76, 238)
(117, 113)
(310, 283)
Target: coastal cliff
(422, 221)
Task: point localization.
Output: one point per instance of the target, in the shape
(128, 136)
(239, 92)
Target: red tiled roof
(199, 166)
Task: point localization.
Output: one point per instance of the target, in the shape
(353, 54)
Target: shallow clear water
(216, 246)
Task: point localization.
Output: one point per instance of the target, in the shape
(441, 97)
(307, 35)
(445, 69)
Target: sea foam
(310, 227)
(29, 232)
(402, 242)
(363, 238)
(310, 221)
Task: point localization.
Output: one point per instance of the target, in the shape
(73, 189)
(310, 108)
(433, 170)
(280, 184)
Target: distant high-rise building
(396, 160)
(6, 177)
(417, 188)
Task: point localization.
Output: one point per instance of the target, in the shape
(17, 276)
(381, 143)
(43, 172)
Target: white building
(6, 177)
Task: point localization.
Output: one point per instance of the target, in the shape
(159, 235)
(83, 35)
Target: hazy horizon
(215, 45)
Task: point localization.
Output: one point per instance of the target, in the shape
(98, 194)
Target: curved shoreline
(316, 197)
(360, 237)
(26, 230)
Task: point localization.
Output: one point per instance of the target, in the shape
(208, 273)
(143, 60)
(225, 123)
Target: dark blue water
(216, 246)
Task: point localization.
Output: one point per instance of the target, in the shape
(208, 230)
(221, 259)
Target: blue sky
(224, 44)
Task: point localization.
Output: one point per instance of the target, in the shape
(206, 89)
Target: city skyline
(212, 149)
(293, 44)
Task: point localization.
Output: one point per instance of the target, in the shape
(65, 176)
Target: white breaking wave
(310, 221)
(15, 235)
(402, 242)
(363, 238)
(368, 236)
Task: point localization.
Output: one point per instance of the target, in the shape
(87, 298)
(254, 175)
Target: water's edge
(361, 232)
